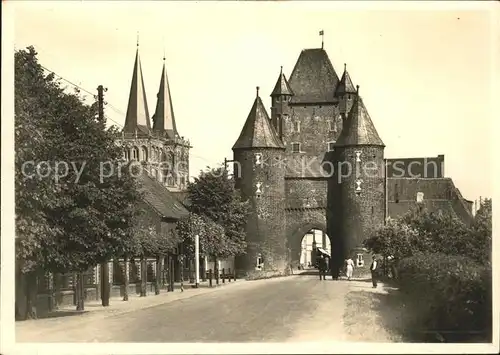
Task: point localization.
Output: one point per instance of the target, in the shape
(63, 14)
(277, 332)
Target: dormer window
(277, 99)
(295, 147)
(331, 146)
(285, 99)
(349, 97)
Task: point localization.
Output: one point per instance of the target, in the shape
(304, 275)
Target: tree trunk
(216, 271)
(31, 293)
(80, 302)
(190, 271)
(203, 271)
(171, 272)
(144, 276)
(105, 284)
(158, 275)
(125, 278)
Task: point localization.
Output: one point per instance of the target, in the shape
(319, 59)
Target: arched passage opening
(314, 243)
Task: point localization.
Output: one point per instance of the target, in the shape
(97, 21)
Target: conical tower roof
(257, 131)
(282, 87)
(137, 117)
(163, 118)
(358, 128)
(345, 85)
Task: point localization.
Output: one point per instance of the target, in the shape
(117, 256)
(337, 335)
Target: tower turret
(280, 97)
(356, 203)
(259, 173)
(345, 92)
(137, 117)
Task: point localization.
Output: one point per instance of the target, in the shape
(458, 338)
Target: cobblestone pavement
(296, 308)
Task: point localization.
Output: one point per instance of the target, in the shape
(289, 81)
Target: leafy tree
(213, 195)
(68, 217)
(213, 241)
(481, 233)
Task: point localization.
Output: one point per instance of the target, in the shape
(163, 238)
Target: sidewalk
(67, 316)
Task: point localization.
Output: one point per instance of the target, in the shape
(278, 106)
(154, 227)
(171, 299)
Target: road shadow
(308, 273)
(55, 314)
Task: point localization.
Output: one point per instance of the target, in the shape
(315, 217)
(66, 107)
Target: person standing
(374, 270)
(322, 267)
(349, 268)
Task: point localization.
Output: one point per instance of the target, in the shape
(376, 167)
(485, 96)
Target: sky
(425, 73)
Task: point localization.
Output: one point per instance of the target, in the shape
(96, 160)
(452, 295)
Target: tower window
(295, 147)
(285, 99)
(331, 146)
(277, 99)
(332, 126)
(296, 126)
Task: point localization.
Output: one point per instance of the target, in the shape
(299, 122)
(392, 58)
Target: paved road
(297, 308)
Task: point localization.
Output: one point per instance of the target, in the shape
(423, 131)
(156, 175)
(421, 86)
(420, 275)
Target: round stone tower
(356, 194)
(259, 173)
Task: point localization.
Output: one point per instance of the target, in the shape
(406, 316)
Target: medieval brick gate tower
(283, 167)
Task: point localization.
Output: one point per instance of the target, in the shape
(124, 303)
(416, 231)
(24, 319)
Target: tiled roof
(345, 85)
(137, 117)
(282, 87)
(258, 131)
(160, 199)
(164, 118)
(313, 78)
(358, 128)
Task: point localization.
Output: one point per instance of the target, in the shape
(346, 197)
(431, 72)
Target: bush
(451, 295)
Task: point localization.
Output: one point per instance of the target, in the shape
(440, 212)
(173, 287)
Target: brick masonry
(263, 184)
(352, 214)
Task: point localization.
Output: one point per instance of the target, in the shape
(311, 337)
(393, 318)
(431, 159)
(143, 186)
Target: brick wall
(266, 224)
(350, 216)
(305, 193)
(314, 133)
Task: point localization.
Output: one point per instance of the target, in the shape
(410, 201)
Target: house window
(295, 147)
(296, 126)
(331, 146)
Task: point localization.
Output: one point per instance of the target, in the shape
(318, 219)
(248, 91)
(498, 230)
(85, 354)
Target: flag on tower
(321, 33)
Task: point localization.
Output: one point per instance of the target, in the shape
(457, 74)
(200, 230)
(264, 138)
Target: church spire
(164, 119)
(137, 117)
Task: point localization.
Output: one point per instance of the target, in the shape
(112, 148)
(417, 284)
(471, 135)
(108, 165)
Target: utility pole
(197, 260)
(100, 103)
(105, 287)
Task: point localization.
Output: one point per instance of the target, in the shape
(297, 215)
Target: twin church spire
(137, 119)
